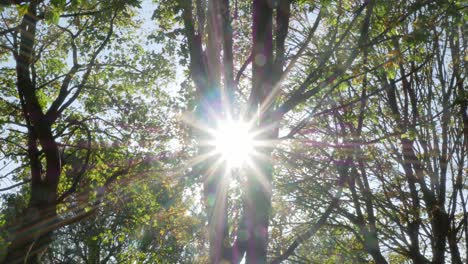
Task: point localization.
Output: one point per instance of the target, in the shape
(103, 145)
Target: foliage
(363, 105)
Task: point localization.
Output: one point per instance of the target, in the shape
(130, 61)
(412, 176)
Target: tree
(357, 112)
(390, 128)
(209, 44)
(143, 222)
(74, 135)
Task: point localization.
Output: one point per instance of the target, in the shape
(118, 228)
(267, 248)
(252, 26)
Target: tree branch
(310, 232)
(59, 105)
(15, 185)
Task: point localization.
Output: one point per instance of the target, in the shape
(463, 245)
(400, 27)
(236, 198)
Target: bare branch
(15, 185)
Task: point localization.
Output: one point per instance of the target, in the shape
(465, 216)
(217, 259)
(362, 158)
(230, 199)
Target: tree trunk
(258, 192)
(258, 207)
(37, 222)
(33, 233)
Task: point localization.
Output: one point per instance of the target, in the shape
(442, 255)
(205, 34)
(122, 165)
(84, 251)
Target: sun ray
(257, 172)
(200, 158)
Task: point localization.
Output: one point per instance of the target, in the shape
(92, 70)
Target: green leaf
(22, 9)
(53, 16)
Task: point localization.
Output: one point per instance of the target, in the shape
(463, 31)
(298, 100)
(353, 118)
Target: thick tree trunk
(258, 192)
(33, 233)
(215, 92)
(258, 207)
(215, 193)
(37, 222)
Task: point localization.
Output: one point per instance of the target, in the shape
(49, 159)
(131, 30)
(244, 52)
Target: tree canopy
(216, 131)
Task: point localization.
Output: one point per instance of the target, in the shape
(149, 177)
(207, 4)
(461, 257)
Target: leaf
(53, 16)
(22, 9)
(58, 3)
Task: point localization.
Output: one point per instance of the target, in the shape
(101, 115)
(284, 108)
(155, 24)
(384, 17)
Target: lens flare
(234, 142)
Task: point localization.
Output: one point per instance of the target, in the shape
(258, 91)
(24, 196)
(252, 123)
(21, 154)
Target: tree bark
(258, 193)
(33, 235)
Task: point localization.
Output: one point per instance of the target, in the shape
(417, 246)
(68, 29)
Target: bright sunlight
(234, 142)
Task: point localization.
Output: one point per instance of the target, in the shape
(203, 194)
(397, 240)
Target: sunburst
(234, 142)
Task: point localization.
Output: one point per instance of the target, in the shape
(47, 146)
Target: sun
(234, 142)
